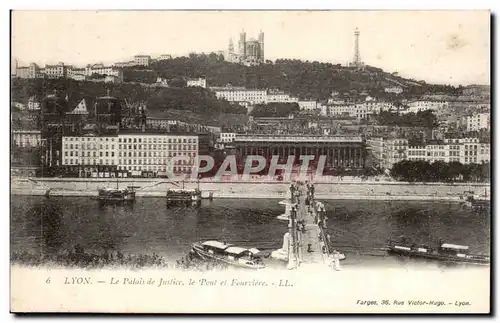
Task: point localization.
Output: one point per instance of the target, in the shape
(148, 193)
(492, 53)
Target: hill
(186, 104)
(304, 79)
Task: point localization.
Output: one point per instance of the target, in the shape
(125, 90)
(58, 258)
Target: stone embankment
(326, 188)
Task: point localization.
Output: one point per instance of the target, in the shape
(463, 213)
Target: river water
(359, 228)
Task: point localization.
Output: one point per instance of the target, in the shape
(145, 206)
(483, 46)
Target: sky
(446, 47)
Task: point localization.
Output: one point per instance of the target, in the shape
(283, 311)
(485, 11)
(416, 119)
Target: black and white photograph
(250, 161)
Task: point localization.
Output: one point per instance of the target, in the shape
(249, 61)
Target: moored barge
(111, 195)
(446, 252)
(184, 196)
(228, 254)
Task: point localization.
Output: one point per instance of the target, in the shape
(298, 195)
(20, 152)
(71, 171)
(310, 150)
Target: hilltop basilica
(250, 52)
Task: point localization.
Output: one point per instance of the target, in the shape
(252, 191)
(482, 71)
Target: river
(359, 228)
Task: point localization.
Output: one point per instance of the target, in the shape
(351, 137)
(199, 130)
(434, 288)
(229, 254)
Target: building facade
(394, 89)
(340, 110)
(339, 151)
(26, 138)
(131, 152)
(253, 96)
(142, 60)
(33, 104)
(463, 150)
(158, 123)
(479, 121)
(279, 96)
(57, 71)
(227, 137)
(388, 151)
(435, 106)
(308, 105)
(67, 71)
(199, 82)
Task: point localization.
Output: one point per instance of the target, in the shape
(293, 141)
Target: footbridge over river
(308, 242)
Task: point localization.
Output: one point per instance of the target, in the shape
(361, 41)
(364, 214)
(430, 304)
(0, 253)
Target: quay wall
(331, 189)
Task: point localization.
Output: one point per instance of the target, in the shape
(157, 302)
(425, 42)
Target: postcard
(250, 161)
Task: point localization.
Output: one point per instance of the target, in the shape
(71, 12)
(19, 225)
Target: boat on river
(228, 254)
(183, 196)
(115, 195)
(446, 252)
(477, 201)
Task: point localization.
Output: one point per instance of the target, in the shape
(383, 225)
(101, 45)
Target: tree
(275, 109)
(439, 171)
(177, 82)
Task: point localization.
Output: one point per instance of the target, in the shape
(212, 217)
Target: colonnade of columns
(335, 156)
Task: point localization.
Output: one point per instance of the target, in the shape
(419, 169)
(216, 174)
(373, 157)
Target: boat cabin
(455, 249)
(243, 255)
(233, 253)
(214, 247)
(183, 195)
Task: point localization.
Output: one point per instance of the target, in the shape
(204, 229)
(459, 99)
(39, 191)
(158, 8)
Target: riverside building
(131, 154)
(339, 151)
(463, 150)
(388, 151)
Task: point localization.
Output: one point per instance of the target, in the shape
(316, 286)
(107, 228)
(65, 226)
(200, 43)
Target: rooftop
(295, 138)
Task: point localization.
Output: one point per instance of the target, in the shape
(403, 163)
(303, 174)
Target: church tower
(261, 45)
(242, 44)
(230, 51)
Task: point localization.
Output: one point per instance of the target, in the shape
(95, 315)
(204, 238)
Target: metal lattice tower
(357, 56)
